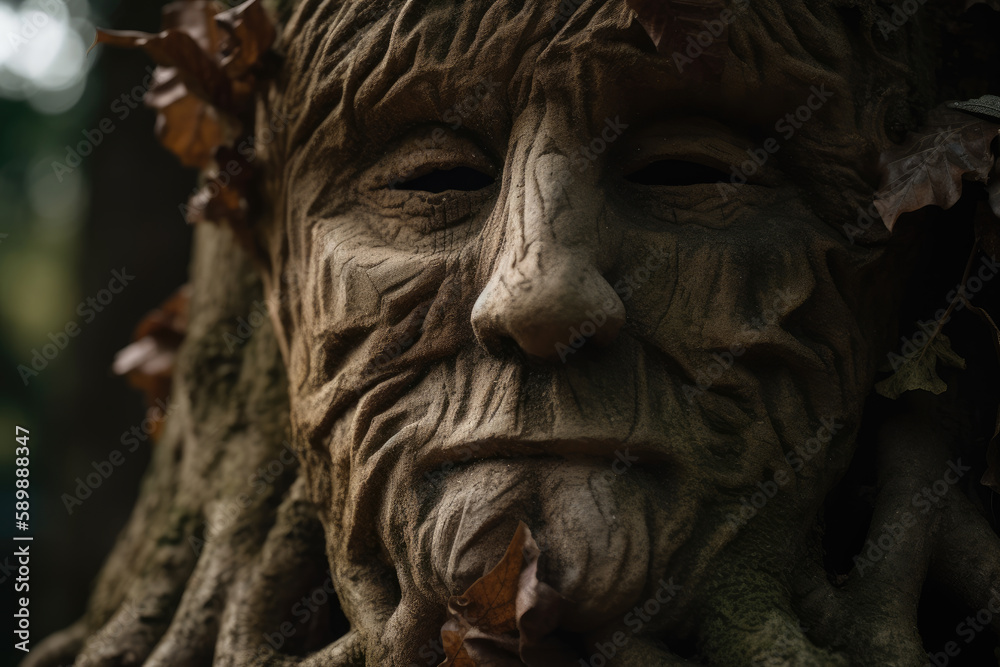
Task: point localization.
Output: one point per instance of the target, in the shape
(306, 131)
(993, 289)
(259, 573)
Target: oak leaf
(928, 169)
(919, 371)
(506, 616)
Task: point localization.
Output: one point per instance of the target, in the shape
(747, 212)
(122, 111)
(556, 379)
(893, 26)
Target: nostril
(554, 319)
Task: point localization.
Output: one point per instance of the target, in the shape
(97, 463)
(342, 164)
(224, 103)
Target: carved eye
(676, 173)
(464, 179)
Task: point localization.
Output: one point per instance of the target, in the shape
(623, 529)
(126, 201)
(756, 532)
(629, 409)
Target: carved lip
(627, 454)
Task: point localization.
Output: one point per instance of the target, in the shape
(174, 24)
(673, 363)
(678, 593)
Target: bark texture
(421, 391)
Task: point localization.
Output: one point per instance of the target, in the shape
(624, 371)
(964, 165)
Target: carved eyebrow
(410, 62)
(358, 73)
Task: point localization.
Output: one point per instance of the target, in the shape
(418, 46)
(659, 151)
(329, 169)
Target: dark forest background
(63, 240)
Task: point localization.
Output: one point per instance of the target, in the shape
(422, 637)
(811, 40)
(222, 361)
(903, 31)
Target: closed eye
(676, 173)
(465, 179)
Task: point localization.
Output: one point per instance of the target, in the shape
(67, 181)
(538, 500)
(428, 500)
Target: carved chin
(592, 526)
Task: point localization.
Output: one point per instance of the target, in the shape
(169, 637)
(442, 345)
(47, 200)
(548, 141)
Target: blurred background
(85, 190)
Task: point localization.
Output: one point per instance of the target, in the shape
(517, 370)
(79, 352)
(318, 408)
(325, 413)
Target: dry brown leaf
(205, 81)
(173, 48)
(927, 170)
(539, 610)
(676, 26)
(919, 371)
(249, 34)
(188, 126)
(197, 19)
(222, 199)
(148, 362)
(506, 615)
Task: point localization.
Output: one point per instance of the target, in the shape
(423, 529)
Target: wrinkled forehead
(382, 65)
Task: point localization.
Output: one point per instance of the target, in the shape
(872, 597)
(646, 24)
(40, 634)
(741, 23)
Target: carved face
(510, 288)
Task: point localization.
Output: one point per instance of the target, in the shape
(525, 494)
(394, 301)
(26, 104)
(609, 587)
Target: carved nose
(550, 314)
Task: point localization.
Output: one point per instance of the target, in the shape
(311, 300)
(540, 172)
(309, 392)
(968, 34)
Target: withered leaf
(176, 49)
(675, 27)
(987, 105)
(205, 80)
(188, 126)
(505, 614)
(919, 371)
(249, 34)
(148, 362)
(927, 170)
(197, 19)
(222, 198)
